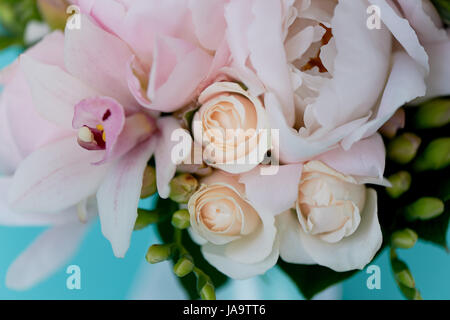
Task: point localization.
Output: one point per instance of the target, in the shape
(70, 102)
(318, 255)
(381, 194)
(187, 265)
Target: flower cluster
(276, 105)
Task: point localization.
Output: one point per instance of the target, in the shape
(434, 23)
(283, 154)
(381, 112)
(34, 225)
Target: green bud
(158, 253)
(404, 239)
(405, 278)
(54, 12)
(433, 114)
(435, 157)
(424, 209)
(184, 266)
(148, 182)
(403, 148)
(208, 292)
(401, 181)
(181, 219)
(146, 218)
(182, 187)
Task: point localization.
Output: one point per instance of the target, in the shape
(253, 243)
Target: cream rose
(329, 203)
(231, 126)
(335, 223)
(236, 238)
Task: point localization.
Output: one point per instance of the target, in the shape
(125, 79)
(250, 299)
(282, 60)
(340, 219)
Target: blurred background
(105, 277)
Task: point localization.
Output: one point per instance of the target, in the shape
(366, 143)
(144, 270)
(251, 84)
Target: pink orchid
(74, 139)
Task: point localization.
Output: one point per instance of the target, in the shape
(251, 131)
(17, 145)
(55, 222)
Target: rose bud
(232, 127)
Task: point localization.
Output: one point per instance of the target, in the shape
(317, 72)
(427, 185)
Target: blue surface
(106, 277)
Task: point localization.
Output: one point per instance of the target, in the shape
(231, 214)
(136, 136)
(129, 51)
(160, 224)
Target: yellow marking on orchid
(104, 136)
(100, 127)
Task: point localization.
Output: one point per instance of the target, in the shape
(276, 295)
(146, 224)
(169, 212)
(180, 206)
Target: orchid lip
(92, 138)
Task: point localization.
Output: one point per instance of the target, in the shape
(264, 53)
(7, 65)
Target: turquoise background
(106, 277)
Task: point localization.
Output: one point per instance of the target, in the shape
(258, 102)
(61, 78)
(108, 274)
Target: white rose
(231, 125)
(235, 238)
(335, 223)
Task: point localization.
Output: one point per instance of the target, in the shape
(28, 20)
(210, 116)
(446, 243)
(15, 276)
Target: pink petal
(102, 111)
(119, 195)
(48, 253)
(273, 193)
(54, 91)
(10, 218)
(178, 67)
(365, 158)
(100, 60)
(267, 52)
(209, 21)
(55, 177)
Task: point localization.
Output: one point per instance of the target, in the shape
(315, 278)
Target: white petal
(291, 247)
(217, 257)
(119, 195)
(56, 177)
(353, 252)
(165, 165)
(49, 252)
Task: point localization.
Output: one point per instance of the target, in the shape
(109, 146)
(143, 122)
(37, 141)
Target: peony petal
(360, 52)
(365, 158)
(267, 53)
(55, 177)
(217, 257)
(165, 164)
(100, 60)
(405, 83)
(402, 31)
(48, 253)
(291, 248)
(209, 21)
(294, 147)
(273, 193)
(438, 81)
(54, 91)
(119, 195)
(353, 252)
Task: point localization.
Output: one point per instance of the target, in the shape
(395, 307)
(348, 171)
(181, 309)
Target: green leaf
(311, 280)
(443, 6)
(189, 282)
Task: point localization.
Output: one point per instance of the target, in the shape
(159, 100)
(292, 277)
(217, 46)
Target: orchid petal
(55, 177)
(119, 195)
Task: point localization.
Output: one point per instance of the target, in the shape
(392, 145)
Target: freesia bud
(208, 292)
(149, 182)
(404, 239)
(54, 12)
(158, 253)
(400, 181)
(390, 128)
(181, 219)
(435, 157)
(433, 114)
(145, 218)
(182, 187)
(403, 148)
(424, 209)
(184, 266)
(402, 274)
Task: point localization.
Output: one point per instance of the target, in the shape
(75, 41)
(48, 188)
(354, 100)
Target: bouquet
(308, 135)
